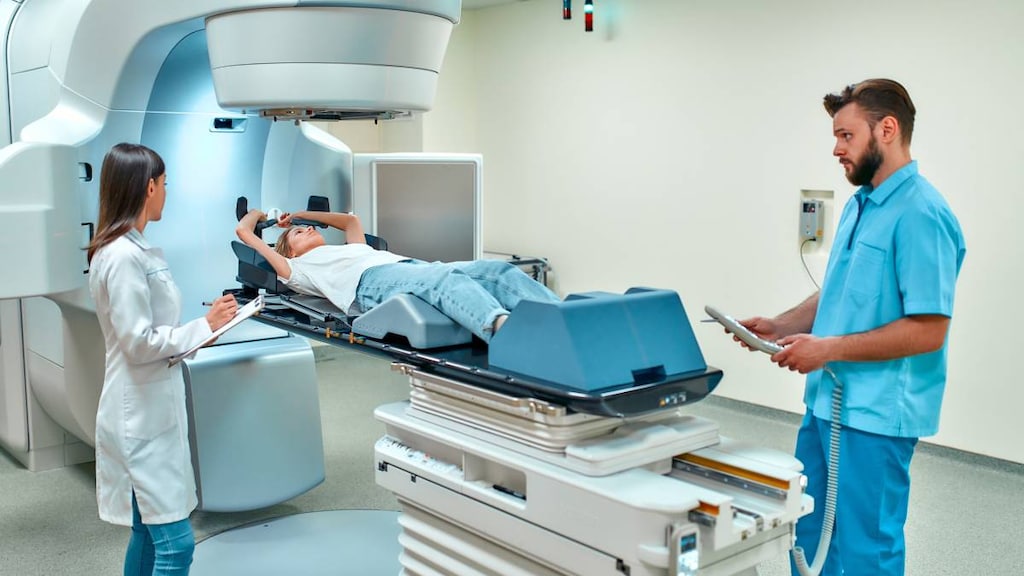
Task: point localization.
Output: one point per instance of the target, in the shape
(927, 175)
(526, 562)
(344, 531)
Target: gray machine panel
(254, 412)
(427, 209)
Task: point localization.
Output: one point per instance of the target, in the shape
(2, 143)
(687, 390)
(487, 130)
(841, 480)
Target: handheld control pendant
(737, 329)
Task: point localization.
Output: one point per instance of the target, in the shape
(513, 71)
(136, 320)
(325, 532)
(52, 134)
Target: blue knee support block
(599, 340)
(406, 315)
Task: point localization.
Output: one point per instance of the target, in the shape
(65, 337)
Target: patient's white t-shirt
(333, 271)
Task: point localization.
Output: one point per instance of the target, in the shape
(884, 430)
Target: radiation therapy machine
(560, 448)
(226, 91)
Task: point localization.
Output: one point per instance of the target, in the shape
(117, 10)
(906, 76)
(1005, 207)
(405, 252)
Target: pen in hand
(209, 303)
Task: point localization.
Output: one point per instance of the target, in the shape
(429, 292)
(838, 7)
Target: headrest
(255, 271)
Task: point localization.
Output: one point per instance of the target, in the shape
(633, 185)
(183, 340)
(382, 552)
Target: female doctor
(144, 475)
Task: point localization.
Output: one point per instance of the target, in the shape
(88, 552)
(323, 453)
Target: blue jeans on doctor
(871, 500)
(158, 549)
(473, 294)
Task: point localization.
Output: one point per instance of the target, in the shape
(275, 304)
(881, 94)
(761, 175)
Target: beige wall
(669, 147)
(452, 125)
(358, 135)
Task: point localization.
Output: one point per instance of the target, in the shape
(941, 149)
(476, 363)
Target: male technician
(880, 323)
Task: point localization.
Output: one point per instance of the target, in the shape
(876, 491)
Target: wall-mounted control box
(812, 218)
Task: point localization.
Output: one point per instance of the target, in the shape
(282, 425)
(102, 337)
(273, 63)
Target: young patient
(354, 277)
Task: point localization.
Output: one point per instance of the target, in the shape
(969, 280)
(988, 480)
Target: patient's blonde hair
(283, 245)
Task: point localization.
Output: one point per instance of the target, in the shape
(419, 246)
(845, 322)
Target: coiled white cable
(831, 487)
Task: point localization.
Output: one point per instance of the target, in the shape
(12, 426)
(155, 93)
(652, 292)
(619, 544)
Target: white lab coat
(141, 425)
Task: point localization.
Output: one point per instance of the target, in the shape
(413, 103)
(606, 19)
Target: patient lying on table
(355, 277)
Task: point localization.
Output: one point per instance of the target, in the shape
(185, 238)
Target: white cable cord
(832, 487)
(803, 261)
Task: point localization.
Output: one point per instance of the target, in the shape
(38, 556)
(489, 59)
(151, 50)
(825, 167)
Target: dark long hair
(124, 181)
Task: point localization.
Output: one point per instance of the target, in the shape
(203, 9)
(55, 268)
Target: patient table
(562, 448)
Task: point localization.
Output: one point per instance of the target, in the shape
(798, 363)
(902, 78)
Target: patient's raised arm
(246, 233)
(349, 223)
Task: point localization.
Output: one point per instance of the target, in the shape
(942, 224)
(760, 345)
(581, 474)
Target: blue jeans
(871, 501)
(158, 549)
(473, 294)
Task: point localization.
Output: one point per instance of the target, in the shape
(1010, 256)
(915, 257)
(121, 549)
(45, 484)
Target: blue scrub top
(897, 252)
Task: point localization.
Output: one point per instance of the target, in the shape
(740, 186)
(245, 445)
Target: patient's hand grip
(260, 226)
(304, 222)
(241, 207)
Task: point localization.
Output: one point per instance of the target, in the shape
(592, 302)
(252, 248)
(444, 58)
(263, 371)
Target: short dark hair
(878, 98)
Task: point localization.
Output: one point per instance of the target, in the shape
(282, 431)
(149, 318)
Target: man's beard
(864, 171)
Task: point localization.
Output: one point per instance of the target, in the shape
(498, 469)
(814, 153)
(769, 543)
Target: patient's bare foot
(498, 322)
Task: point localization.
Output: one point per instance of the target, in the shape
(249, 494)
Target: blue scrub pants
(473, 294)
(158, 549)
(871, 501)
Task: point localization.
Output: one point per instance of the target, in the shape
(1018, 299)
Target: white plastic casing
(42, 230)
(354, 59)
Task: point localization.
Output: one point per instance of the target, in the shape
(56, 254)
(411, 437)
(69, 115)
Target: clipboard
(248, 311)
